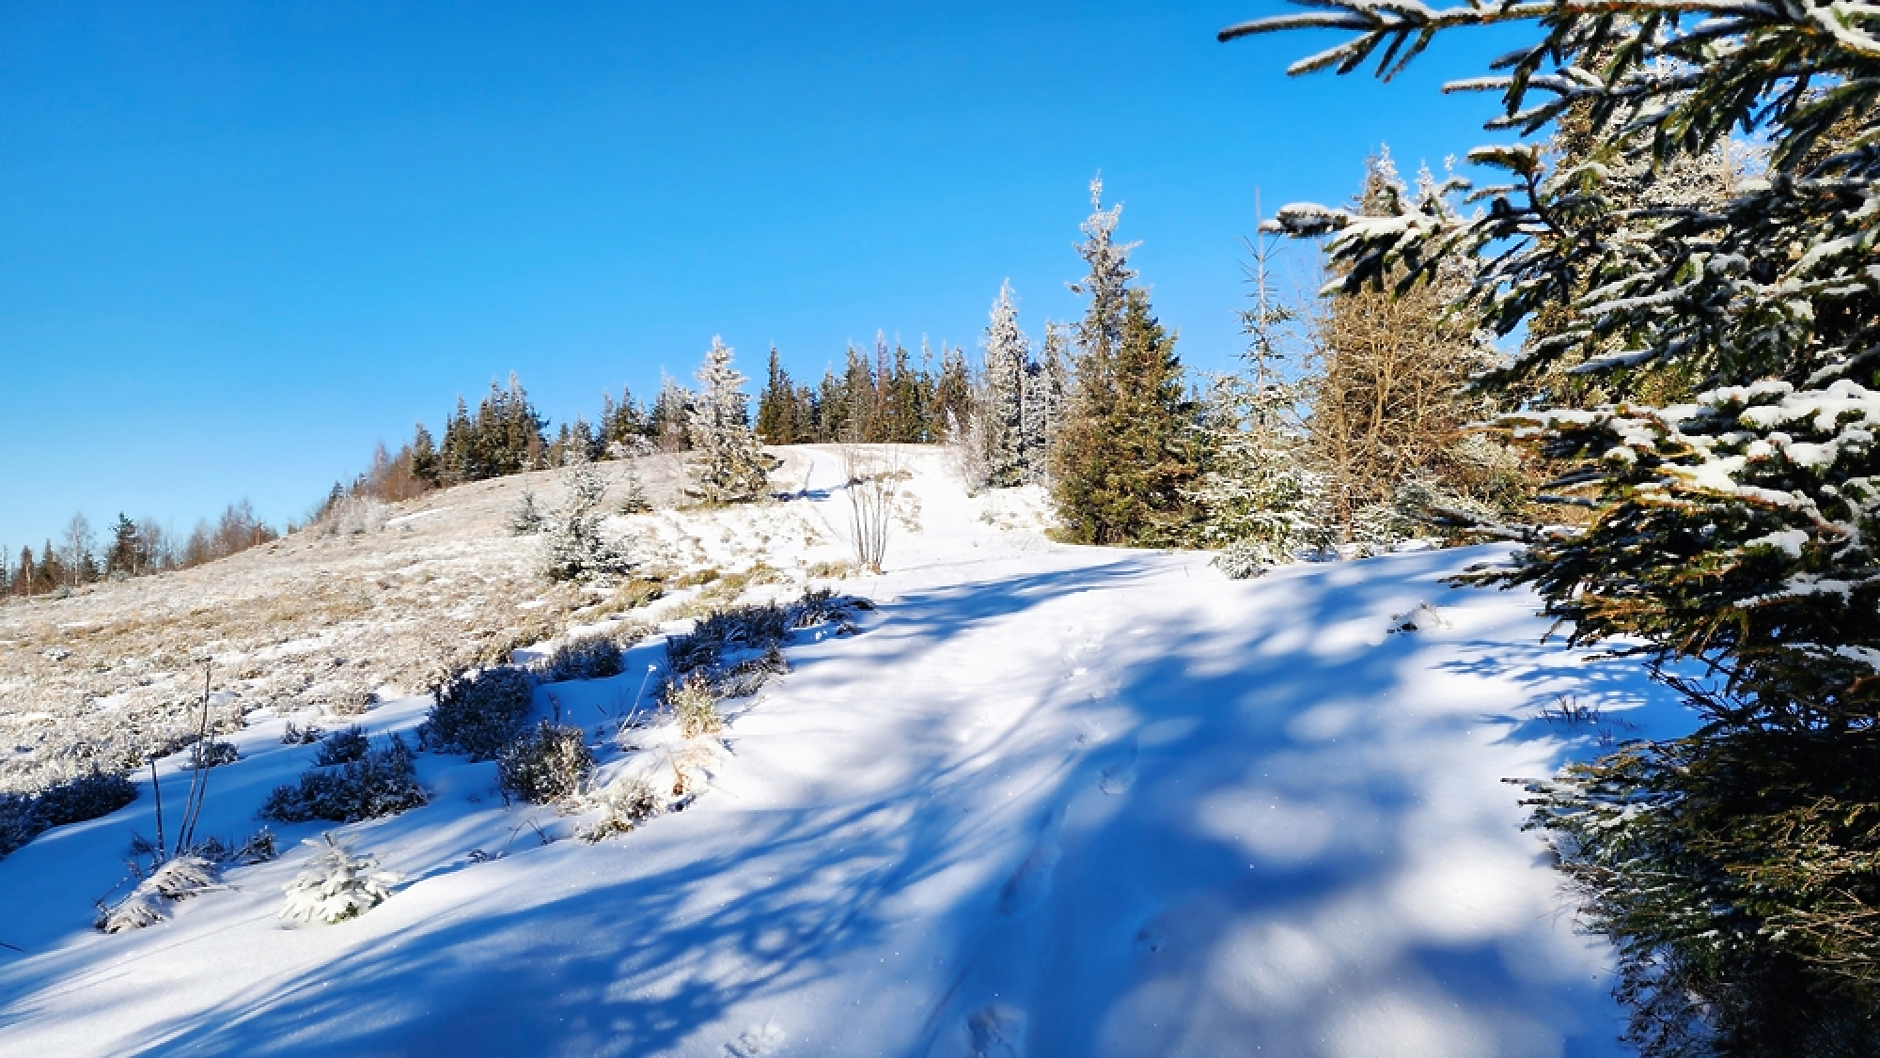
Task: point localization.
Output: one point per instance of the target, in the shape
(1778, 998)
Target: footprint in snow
(1118, 777)
(1031, 883)
(765, 1039)
(996, 1031)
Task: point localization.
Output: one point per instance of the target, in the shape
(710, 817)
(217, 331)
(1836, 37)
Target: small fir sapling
(573, 547)
(299, 735)
(212, 754)
(728, 464)
(636, 501)
(337, 884)
(526, 517)
(545, 765)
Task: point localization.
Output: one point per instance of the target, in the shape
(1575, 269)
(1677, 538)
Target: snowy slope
(1050, 801)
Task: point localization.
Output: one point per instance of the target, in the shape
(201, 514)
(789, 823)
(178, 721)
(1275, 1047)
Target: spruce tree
(1046, 383)
(1125, 457)
(425, 464)
(122, 556)
(728, 465)
(1002, 394)
(1732, 529)
(953, 394)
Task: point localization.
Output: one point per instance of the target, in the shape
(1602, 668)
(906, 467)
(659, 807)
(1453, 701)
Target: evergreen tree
(832, 408)
(672, 412)
(1046, 383)
(953, 392)
(1735, 529)
(1002, 394)
(624, 424)
(729, 465)
(122, 557)
(425, 464)
(1126, 460)
(1125, 456)
(779, 417)
(860, 418)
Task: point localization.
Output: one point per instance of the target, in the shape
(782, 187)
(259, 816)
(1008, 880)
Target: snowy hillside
(1044, 801)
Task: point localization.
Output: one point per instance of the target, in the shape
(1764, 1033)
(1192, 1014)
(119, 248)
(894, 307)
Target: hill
(1044, 800)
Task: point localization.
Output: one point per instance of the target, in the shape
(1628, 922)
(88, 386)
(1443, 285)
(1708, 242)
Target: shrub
(85, 797)
(696, 707)
(624, 804)
(1241, 561)
(212, 754)
(178, 878)
(478, 714)
(336, 885)
(526, 517)
(19, 822)
(343, 747)
(296, 735)
(586, 658)
(381, 783)
(545, 765)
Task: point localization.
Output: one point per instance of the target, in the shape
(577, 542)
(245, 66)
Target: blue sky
(245, 242)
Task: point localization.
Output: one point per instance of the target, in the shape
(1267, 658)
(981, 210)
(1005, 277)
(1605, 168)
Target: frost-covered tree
(337, 884)
(728, 464)
(1125, 459)
(672, 413)
(572, 545)
(1002, 393)
(1046, 383)
(1737, 867)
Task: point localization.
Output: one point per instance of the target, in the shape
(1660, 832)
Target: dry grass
(324, 621)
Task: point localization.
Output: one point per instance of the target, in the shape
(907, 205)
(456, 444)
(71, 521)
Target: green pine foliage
(1126, 459)
(1732, 523)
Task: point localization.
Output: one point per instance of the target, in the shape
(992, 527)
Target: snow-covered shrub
(298, 735)
(749, 676)
(19, 822)
(526, 517)
(696, 707)
(384, 782)
(1241, 560)
(344, 746)
(84, 797)
(586, 658)
(337, 884)
(624, 803)
(545, 765)
(177, 878)
(478, 713)
(212, 753)
(636, 501)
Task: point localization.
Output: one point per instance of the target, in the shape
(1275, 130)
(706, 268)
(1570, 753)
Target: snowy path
(1052, 801)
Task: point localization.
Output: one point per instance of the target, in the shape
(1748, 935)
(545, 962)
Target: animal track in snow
(1119, 777)
(996, 1031)
(764, 1039)
(1031, 883)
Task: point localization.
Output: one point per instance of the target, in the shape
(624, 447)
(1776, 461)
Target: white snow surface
(1050, 801)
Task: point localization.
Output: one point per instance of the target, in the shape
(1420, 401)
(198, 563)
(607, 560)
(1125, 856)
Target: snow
(1049, 801)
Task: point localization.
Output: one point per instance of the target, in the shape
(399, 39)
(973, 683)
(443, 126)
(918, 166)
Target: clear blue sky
(241, 243)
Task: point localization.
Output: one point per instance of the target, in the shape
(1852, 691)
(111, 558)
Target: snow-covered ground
(1049, 801)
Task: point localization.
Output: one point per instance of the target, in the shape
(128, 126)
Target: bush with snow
(178, 878)
(625, 803)
(548, 764)
(382, 782)
(299, 735)
(25, 816)
(526, 517)
(344, 746)
(213, 753)
(337, 884)
(478, 713)
(583, 658)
